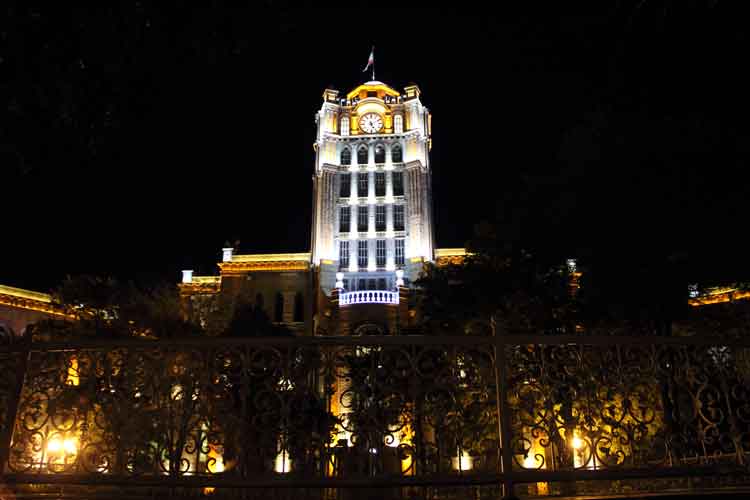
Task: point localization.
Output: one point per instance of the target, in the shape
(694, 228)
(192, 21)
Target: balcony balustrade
(368, 297)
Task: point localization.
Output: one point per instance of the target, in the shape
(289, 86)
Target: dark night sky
(135, 141)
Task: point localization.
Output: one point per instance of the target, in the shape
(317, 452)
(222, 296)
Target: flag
(370, 60)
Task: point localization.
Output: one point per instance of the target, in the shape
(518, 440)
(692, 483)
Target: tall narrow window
(398, 217)
(361, 285)
(398, 124)
(346, 156)
(278, 307)
(345, 185)
(362, 155)
(379, 183)
(345, 215)
(299, 307)
(380, 253)
(346, 284)
(362, 218)
(371, 284)
(345, 125)
(379, 154)
(362, 181)
(398, 183)
(362, 253)
(399, 252)
(343, 254)
(380, 218)
(397, 155)
(381, 284)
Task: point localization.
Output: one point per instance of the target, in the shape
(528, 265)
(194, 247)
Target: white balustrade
(368, 297)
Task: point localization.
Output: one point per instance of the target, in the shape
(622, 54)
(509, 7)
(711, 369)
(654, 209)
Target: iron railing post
(6, 433)
(503, 420)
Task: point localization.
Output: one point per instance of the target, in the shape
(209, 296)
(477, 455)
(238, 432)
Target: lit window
(362, 155)
(362, 253)
(344, 219)
(399, 252)
(379, 183)
(362, 182)
(344, 254)
(380, 253)
(398, 183)
(345, 125)
(345, 185)
(362, 216)
(398, 124)
(346, 156)
(379, 154)
(398, 217)
(380, 218)
(396, 154)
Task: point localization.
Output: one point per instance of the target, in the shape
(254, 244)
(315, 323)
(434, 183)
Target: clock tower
(372, 200)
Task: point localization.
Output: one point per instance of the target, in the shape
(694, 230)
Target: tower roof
(373, 86)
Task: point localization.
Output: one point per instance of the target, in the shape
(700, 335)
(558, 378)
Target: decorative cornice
(450, 256)
(201, 285)
(18, 298)
(719, 296)
(241, 264)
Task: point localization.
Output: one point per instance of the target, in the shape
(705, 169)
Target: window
(398, 124)
(399, 252)
(396, 154)
(361, 285)
(379, 154)
(379, 183)
(299, 308)
(346, 156)
(380, 218)
(398, 217)
(362, 216)
(398, 183)
(345, 185)
(345, 125)
(362, 253)
(344, 219)
(371, 284)
(380, 253)
(362, 155)
(346, 284)
(344, 254)
(381, 283)
(278, 307)
(362, 181)
(372, 93)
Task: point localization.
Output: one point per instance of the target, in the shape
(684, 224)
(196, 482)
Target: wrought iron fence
(375, 417)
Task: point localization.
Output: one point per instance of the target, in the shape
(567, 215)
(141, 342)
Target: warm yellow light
(68, 445)
(73, 374)
(464, 462)
(577, 443)
(283, 463)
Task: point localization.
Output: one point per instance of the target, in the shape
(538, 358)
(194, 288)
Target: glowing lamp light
(339, 280)
(187, 276)
(226, 254)
(68, 445)
(577, 443)
(463, 462)
(399, 277)
(283, 463)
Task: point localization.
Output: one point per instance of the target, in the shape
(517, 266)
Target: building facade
(372, 223)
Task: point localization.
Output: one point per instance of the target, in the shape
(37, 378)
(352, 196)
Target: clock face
(371, 123)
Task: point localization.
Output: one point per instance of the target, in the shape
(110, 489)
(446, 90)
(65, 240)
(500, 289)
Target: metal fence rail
(375, 417)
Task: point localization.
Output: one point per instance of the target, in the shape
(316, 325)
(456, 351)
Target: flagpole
(373, 63)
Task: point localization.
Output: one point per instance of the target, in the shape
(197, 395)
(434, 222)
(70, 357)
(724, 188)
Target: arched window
(398, 124)
(379, 154)
(278, 307)
(346, 156)
(396, 154)
(345, 125)
(299, 307)
(362, 155)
